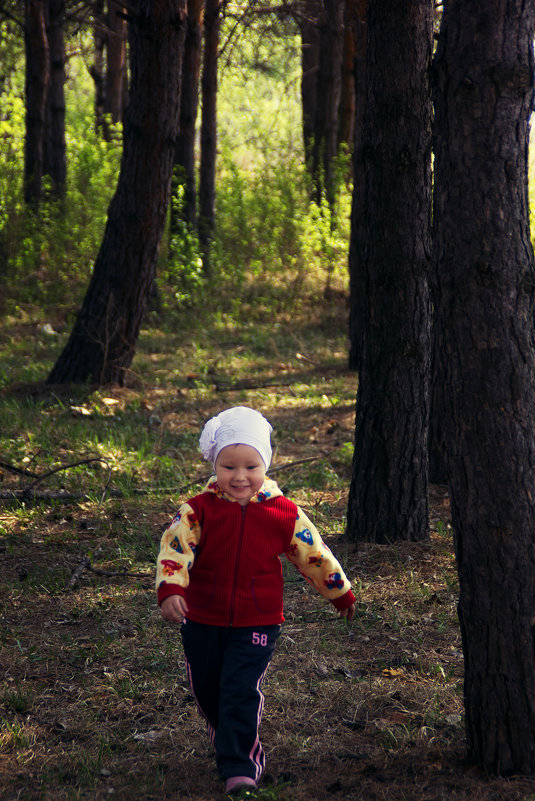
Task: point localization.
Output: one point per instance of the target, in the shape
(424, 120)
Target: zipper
(237, 566)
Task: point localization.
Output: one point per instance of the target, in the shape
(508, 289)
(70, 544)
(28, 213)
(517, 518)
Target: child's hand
(348, 613)
(174, 608)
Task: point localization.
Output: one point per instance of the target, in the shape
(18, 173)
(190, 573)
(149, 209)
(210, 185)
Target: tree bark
(184, 174)
(55, 150)
(357, 243)
(102, 344)
(329, 91)
(37, 80)
(485, 312)
(96, 69)
(346, 126)
(212, 23)
(388, 492)
(115, 62)
(310, 39)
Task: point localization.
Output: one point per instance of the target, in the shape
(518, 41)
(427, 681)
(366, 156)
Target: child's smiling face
(240, 472)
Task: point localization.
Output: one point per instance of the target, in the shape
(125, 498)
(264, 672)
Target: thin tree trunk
(37, 80)
(102, 344)
(184, 173)
(357, 244)
(212, 22)
(56, 152)
(96, 69)
(310, 55)
(346, 126)
(485, 316)
(115, 62)
(388, 493)
(329, 91)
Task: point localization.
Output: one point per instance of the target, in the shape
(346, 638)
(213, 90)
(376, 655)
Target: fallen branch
(77, 572)
(63, 496)
(250, 385)
(85, 564)
(116, 573)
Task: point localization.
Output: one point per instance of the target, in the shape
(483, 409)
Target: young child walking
(220, 576)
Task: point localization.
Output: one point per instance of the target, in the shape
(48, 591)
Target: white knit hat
(237, 426)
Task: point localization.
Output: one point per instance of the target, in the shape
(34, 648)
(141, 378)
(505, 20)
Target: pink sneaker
(237, 783)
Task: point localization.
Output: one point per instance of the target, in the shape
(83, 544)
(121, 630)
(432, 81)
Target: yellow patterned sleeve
(315, 560)
(177, 548)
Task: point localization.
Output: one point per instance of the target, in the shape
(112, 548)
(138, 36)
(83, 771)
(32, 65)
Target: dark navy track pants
(226, 667)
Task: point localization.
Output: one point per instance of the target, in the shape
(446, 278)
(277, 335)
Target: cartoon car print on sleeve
(316, 560)
(170, 567)
(334, 581)
(305, 536)
(176, 546)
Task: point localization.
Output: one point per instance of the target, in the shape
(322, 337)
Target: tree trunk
(357, 243)
(55, 151)
(37, 80)
(115, 62)
(346, 126)
(310, 56)
(96, 70)
(184, 174)
(212, 23)
(485, 313)
(102, 344)
(329, 90)
(388, 493)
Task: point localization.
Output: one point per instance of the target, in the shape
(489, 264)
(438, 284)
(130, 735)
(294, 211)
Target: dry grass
(93, 698)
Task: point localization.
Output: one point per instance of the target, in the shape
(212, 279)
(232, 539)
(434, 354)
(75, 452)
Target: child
(219, 574)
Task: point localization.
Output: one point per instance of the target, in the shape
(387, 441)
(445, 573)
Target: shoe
(236, 784)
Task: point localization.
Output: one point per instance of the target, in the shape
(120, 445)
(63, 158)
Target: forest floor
(94, 702)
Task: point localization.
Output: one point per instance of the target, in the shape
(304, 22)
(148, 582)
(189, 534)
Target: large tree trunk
(103, 340)
(357, 244)
(212, 23)
(388, 493)
(37, 80)
(55, 151)
(184, 174)
(485, 307)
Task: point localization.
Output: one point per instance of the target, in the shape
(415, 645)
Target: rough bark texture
(103, 340)
(388, 493)
(189, 102)
(37, 80)
(55, 147)
(486, 279)
(212, 23)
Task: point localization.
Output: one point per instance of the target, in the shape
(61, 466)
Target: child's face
(240, 472)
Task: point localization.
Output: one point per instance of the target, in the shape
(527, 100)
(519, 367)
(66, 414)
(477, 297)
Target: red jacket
(231, 554)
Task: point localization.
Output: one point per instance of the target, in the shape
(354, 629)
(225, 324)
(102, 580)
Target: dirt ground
(94, 702)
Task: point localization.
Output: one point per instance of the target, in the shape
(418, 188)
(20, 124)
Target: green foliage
(46, 258)
(272, 243)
